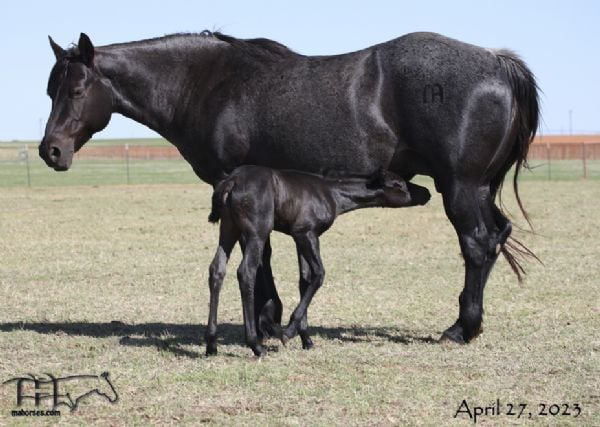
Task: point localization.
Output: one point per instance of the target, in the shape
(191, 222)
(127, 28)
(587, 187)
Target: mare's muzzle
(56, 154)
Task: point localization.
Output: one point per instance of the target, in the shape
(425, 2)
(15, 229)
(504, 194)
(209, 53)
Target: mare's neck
(152, 82)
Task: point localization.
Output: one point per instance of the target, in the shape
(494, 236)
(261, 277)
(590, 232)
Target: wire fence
(586, 154)
(20, 165)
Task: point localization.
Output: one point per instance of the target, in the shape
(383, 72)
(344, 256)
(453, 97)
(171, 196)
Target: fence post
(549, 161)
(127, 163)
(24, 155)
(584, 155)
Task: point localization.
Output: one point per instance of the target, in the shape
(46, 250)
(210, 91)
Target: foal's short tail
(526, 115)
(219, 198)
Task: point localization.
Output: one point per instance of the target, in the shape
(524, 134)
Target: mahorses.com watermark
(49, 394)
(35, 413)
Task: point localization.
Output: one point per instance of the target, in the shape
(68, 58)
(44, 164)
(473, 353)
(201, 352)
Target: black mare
(418, 104)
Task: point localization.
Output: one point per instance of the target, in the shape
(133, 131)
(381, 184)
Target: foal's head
(395, 190)
(81, 103)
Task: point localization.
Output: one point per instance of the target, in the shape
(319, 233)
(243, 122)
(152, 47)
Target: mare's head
(81, 103)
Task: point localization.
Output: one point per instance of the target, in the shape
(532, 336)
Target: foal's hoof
(307, 344)
(259, 351)
(211, 348)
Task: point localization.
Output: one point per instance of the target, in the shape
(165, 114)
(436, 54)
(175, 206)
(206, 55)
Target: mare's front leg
(228, 235)
(252, 248)
(307, 246)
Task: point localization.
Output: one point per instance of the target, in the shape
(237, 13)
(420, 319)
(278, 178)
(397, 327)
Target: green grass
(13, 172)
(114, 278)
(561, 170)
(97, 172)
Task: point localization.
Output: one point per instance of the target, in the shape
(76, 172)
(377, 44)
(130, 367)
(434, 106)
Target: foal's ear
(391, 180)
(86, 49)
(59, 52)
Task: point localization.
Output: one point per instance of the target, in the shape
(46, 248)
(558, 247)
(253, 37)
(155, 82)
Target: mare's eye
(76, 93)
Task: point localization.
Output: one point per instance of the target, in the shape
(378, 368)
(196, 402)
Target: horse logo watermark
(63, 391)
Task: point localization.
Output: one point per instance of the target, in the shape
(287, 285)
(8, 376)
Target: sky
(559, 40)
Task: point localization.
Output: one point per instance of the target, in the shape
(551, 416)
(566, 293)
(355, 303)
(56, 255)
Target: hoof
(447, 340)
(307, 344)
(259, 351)
(454, 335)
(284, 339)
(211, 347)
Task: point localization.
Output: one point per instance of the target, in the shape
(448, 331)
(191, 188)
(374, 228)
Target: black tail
(526, 115)
(219, 198)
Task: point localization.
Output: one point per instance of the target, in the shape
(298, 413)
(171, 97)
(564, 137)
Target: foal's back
(259, 199)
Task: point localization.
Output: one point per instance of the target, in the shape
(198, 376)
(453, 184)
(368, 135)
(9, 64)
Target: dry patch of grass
(115, 279)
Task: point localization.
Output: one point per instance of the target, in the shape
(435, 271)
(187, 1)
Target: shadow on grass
(171, 336)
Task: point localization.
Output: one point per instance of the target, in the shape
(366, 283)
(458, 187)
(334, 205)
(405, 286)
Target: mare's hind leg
(481, 232)
(228, 235)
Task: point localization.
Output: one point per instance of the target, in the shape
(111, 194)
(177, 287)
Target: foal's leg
(304, 283)
(480, 233)
(252, 248)
(307, 246)
(265, 290)
(228, 235)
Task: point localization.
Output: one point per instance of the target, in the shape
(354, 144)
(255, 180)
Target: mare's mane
(258, 47)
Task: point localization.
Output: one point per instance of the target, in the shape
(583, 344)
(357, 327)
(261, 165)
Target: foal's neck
(353, 195)
(151, 79)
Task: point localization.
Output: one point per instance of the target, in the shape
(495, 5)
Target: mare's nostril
(54, 153)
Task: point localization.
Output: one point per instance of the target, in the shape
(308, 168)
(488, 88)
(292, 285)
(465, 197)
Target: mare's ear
(86, 49)
(59, 52)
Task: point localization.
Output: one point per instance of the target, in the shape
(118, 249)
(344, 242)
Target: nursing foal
(254, 200)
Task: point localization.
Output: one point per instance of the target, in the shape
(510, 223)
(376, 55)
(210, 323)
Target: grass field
(113, 278)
